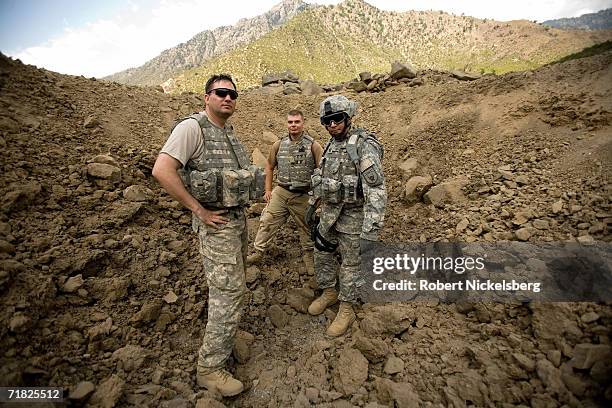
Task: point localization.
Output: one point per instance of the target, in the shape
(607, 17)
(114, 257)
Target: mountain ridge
(332, 44)
(601, 20)
(207, 44)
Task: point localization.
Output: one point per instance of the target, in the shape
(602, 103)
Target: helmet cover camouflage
(337, 103)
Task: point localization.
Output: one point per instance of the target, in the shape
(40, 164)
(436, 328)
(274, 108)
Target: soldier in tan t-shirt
(205, 142)
(296, 156)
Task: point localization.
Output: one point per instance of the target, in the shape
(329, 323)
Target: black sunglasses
(223, 92)
(334, 117)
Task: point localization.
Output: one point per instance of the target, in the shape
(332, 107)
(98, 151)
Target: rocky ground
(101, 285)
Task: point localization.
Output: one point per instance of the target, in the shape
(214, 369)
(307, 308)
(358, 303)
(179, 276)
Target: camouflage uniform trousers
(282, 204)
(348, 274)
(224, 253)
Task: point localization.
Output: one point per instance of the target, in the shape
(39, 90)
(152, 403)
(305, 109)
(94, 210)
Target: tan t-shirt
(185, 141)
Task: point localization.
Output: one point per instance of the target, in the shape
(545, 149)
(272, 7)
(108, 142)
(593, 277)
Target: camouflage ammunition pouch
(315, 181)
(201, 184)
(331, 190)
(236, 185)
(226, 188)
(258, 186)
(351, 190)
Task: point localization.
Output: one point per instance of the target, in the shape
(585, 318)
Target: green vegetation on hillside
(587, 52)
(332, 44)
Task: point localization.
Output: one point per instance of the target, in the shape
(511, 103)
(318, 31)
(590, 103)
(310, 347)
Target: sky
(98, 38)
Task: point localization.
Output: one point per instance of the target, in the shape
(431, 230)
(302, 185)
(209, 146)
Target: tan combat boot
(308, 262)
(328, 297)
(255, 258)
(343, 320)
(222, 381)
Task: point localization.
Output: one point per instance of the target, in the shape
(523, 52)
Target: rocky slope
(208, 44)
(102, 291)
(332, 44)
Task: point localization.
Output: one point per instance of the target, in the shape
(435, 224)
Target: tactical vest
(338, 179)
(295, 162)
(222, 176)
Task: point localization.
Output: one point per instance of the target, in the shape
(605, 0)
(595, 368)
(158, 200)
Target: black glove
(310, 217)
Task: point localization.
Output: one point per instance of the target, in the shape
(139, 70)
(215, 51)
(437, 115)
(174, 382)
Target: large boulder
(351, 371)
(310, 87)
(446, 193)
(416, 187)
(258, 158)
(399, 70)
(464, 76)
(268, 79)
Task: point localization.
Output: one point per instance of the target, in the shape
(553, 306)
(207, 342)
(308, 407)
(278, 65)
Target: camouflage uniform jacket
(365, 216)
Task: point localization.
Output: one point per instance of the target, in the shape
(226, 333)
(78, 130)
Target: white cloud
(129, 40)
(140, 33)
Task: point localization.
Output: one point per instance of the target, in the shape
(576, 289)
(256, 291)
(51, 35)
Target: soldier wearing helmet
(349, 188)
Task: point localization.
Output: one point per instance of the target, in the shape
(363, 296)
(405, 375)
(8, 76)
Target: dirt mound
(101, 285)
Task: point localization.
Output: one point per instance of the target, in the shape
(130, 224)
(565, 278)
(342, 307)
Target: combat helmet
(335, 104)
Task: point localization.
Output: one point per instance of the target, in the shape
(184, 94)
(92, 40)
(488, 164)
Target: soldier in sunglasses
(349, 187)
(206, 168)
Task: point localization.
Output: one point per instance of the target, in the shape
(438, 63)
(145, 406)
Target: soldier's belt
(297, 190)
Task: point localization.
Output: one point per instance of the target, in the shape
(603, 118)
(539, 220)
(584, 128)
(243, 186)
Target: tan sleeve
(272, 154)
(317, 152)
(185, 141)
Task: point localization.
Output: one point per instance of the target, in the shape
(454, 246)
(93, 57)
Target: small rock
(525, 362)
(589, 317)
(550, 376)
(208, 402)
(586, 354)
(6, 247)
(137, 193)
(252, 274)
(242, 346)
(170, 297)
(259, 296)
(394, 365)
(554, 356)
(408, 167)
(131, 357)
(90, 122)
(557, 206)
(106, 159)
(540, 224)
(108, 392)
(300, 298)
(523, 234)
(312, 394)
(148, 312)
(396, 394)
(277, 316)
(73, 283)
(462, 225)
(82, 391)
(104, 171)
(291, 371)
(19, 323)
